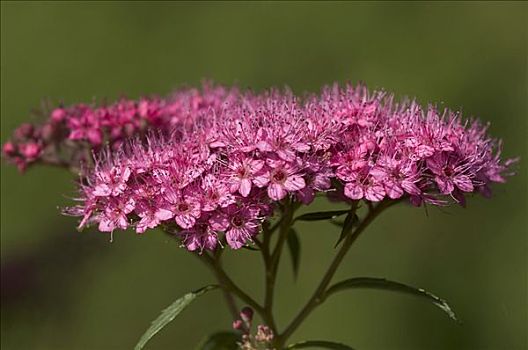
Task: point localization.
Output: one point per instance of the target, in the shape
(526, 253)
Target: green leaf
(384, 284)
(319, 344)
(170, 313)
(321, 215)
(221, 341)
(350, 221)
(248, 247)
(294, 245)
(337, 223)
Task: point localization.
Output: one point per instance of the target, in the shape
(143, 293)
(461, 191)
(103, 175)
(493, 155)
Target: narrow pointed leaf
(170, 313)
(384, 284)
(318, 344)
(350, 221)
(222, 341)
(321, 215)
(294, 245)
(248, 247)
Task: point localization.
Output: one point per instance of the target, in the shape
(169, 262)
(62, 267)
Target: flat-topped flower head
(214, 164)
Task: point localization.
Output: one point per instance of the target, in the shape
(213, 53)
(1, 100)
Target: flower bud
(95, 137)
(30, 150)
(47, 132)
(21, 164)
(9, 148)
(143, 108)
(58, 115)
(238, 325)
(24, 131)
(264, 334)
(246, 315)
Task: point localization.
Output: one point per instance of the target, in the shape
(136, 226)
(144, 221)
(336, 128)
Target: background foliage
(67, 290)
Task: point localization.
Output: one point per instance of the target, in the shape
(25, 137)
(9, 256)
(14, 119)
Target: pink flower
(398, 177)
(218, 160)
(150, 217)
(244, 172)
(318, 179)
(239, 224)
(111, 182)
(215, 194)
(184, 207)
(115, 214)
(199, 238)
(281, 178)
(449, 174)
(365, 187)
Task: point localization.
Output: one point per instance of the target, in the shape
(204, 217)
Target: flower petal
(185, 221)
(375, 193)
(294, 183)
(464, 183)
(353, 191)
(245, 187)
(276, 191)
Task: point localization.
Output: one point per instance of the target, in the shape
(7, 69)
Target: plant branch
(271, 261)
(318, 296)
(227, 285)
(226, 282)
(230, 301)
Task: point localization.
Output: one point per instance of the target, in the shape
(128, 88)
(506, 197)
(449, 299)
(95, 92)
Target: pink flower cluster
(219, 166)
(68, 135)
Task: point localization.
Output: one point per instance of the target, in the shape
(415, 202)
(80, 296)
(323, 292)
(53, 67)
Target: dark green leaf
(248, 247)
(350, 221)
(319, 344)
(337, 223)
(321, 215)
(222, 341)
(384, 284)
(170, 313)
(294, 246)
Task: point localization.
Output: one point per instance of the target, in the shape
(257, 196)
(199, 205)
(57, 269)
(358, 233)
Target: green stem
(230, 301)
(318, 296)
(226, 282)
(215, 264)
(271, 262)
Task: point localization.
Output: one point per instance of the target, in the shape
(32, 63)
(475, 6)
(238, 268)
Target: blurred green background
(67, 290)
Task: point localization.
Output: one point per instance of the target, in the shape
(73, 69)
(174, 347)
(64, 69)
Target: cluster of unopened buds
(261, 340)
(212, 165)
(70, 133)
